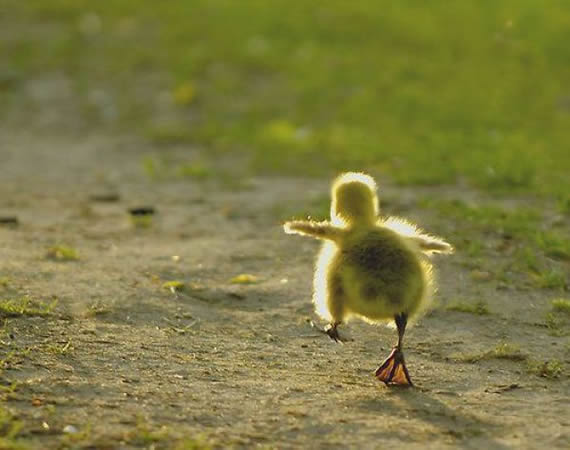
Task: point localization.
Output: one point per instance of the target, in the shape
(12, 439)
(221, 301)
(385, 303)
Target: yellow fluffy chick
(370, 267)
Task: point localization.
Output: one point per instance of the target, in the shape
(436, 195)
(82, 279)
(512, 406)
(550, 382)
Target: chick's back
(381, 274)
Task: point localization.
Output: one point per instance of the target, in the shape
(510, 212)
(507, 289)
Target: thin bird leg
(331, 331)
(401, 322)
(393, 370)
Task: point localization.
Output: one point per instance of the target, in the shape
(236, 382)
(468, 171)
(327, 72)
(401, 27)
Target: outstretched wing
(318, 230)
(426, 242)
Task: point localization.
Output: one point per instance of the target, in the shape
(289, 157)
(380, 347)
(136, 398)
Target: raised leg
(393, 370)
(334, 305)
(331, 331)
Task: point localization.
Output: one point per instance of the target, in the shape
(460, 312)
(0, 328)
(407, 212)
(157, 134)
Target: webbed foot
(331, 331)
(393, 370)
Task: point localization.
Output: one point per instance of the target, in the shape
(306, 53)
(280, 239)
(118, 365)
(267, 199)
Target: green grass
(174, 286)
(504, 350)
(507, 351)
(160, 169)
(98, 309)
(245, 278)
(10, 360)
(62, 253)
(317, 208)
(511, 223)
(554, 245)
(479, 308)
(196, 171)
(519, 233)
(10, 428)
(81, 435)
(60, 349)
(141, 222)
(198, 443)
(153, 167)
(551, 278)
(424, 93)
(169, 134)
(151, 435)
(556, 325)
(25, 306)
(546, 369)
(557, 320)
(561, 305)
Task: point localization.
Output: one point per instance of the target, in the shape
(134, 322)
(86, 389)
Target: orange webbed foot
(393, 370)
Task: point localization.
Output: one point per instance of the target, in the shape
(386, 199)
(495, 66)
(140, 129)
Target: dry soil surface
(122, 361)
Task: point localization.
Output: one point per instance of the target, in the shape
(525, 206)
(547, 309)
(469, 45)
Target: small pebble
(9, 221)
(142, 211)
(105, 197)
(481, 275)
(69, 429)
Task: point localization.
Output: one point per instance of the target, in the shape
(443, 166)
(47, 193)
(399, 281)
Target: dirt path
(127, 362)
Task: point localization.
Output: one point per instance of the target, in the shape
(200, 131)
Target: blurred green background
(440, 92)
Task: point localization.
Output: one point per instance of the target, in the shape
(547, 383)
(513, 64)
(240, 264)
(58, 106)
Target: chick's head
(354, 200)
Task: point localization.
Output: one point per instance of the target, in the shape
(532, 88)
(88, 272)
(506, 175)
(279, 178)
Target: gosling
(370, 267)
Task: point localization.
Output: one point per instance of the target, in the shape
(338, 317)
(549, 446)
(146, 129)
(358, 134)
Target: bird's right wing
(427, 243)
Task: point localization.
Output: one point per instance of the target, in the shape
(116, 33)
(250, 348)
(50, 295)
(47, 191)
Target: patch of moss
(12, 359)
(526, 260)
(508, 351)
(10, 428)
(97, 309)
(479, 308)
(556, 325)
(162, 169)
(147, 434)
(550, 279)
(196, 443)
(546, 369)
(141, 221)
(474, 248)
(244, 278)
(196, 171)
(184, 94)
(174, 286)
(553, 245)
(564, 204)
(169, 134)
(59, 349)
(538, 254)
(501, 351)
(561, 305)
(317, 208)
(557, 320)
(25, 306)
(79, 435)
(62, 253)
